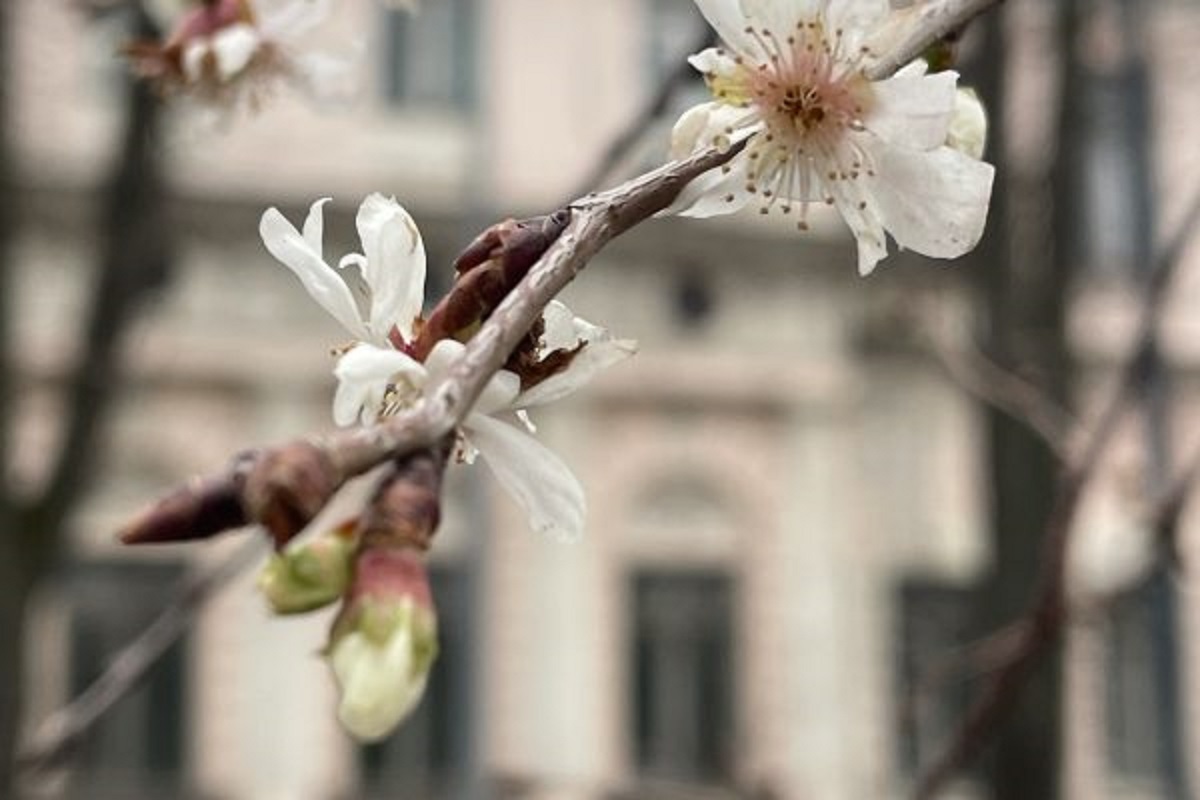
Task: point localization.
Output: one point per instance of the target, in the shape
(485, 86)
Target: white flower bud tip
(381, 663)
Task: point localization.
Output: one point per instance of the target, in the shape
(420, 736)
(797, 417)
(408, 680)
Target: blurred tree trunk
(1024, 298)
(134, 257)
(12, 574)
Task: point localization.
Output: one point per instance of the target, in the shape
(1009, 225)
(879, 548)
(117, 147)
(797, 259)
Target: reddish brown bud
(386, 573)
(489, 268)
(406, 508)
(199, 509)
(288, 487)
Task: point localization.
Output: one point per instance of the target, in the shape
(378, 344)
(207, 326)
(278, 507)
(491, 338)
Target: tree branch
(980, 375)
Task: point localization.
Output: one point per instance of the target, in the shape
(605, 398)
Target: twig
(1045, 619)
(62, 732)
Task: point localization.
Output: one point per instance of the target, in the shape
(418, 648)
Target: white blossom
(231, 50)
(790, 78)
(376, 379)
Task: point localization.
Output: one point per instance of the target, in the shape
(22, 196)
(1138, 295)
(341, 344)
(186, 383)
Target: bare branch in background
(62, 732)
(658, 105)
(977, 373)
(1047, 615)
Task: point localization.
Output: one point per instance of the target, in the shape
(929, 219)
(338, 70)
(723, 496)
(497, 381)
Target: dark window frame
(682, 627)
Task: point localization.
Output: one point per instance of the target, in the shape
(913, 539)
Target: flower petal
(291, 249)
(912, 109)
(291, 19)
(600, 352)
(860, 19)
(934, 202)
(499, 394)
(716, 192)
(535, 478)
(713, 61)
(707, 124)
(727, 19)
(559, 331)
(442, 357)
(364, 374)
(314, 227)
(195, 54)
(863, 218)
(591, 360)
(233, 47)
(778, 16)
(395, 268)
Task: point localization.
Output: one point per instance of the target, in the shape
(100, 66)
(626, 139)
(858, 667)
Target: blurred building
(786, 490)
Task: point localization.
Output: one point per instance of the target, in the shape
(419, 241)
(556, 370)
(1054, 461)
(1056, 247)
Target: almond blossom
(377, 377)
(791, 80)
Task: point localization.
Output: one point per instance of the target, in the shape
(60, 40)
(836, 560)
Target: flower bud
(968, 126)
(309, 575)
(384, 642)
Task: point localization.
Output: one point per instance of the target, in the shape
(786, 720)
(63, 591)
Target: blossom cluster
(230, 52)
(381, 646)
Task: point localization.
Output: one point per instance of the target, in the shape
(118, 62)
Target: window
(683, 676)
(424, 755)
(430, 56)
(1134, 722)
(694, 300)
(136, 750)
(1115, 223)
(933, 621)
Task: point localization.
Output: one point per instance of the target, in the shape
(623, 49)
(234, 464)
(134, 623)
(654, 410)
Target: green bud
(307, 576)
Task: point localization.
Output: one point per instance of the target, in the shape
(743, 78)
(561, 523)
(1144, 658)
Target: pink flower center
(806, 87)
(807, 90)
